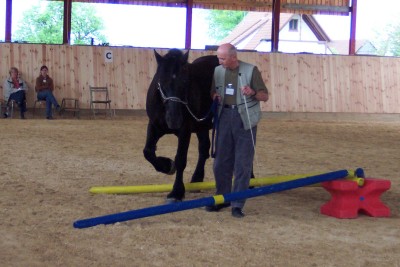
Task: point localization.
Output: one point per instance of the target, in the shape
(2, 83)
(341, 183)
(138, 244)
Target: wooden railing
(297, 82)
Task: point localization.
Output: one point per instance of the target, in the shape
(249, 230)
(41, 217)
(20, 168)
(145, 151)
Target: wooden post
(67, 21)
(352, 42)
(276, 11)
(8, 20)
(188, 38)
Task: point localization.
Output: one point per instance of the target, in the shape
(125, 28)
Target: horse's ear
(158, 56)
(185, 57)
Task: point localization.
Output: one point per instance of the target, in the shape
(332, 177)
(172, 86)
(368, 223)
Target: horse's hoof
(172, 201)
(173, 169)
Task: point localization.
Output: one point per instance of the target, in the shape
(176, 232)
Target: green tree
(222, 22)
(393, 42)
(86, 25)
(43, 23)
(387, 39)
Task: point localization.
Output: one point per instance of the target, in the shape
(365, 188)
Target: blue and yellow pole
(208, 201)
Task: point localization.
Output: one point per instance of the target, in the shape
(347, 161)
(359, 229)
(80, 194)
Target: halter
(178, 100)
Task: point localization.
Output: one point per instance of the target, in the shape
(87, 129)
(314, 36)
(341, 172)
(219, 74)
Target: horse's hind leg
(161, 164)
(204, 154)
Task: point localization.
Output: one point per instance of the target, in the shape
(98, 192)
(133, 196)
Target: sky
(140, 25)
(372, 17)
(152, 25)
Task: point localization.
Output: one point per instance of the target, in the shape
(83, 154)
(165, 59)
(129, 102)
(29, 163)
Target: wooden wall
(297, 82)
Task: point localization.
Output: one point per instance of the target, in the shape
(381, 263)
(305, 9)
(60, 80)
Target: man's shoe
(22, 116)
(218, 207)
(49, 118)
(5, 115)
(237, 212)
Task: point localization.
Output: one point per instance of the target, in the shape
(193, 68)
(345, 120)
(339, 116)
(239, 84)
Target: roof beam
(248, 4)
(326, 8)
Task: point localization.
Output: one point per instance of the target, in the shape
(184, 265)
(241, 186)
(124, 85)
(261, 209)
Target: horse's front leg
(204, 154)
(161, 164)
(178, 190)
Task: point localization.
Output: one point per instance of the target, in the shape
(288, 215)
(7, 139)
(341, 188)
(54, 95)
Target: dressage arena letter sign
(108, 56)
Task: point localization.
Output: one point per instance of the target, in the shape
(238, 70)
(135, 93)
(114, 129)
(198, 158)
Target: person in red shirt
(44, 88)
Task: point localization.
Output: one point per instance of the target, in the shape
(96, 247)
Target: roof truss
(331, 7)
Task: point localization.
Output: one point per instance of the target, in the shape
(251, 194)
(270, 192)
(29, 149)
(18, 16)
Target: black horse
(179, 103)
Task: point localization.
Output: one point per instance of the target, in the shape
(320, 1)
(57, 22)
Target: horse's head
(172, 82)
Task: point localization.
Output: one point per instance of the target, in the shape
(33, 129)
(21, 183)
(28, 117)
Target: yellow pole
(158, 188)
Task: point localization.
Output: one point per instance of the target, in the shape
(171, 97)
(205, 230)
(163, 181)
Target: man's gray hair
(232, 51)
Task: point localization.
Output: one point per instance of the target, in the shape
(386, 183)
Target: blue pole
(208, 201)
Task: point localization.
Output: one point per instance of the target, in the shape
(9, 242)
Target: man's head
(227, 56)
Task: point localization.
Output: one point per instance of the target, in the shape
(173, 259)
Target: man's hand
(216, 96)
(247, 91)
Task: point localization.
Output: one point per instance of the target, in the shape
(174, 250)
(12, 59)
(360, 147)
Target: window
(293, 25)
(200, 29)
(212, 27)
(37, 21)
(2, 20)
(41, 21)
(135, 25)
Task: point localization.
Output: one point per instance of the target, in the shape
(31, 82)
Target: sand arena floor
(47, 168)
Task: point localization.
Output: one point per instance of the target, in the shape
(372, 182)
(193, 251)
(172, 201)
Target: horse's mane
(174, 53)
(177, 56)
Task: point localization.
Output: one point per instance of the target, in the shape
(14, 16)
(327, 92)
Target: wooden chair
(100, 95)
(70, 104)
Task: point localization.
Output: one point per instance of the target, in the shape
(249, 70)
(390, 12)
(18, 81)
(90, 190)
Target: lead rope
(214, 135)
(177, 99)
(248, 119)
(213, 109)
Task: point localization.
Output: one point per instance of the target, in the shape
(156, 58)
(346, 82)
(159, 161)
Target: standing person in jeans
(44, 88)
(239, 88)
(14, 88)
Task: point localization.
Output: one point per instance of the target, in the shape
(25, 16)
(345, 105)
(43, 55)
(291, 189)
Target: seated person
(14, 88)
(44, 88)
